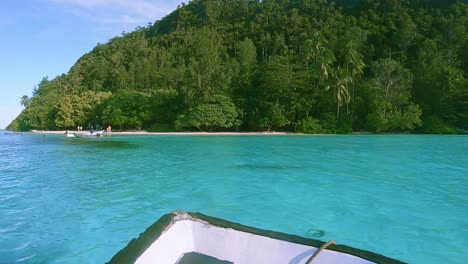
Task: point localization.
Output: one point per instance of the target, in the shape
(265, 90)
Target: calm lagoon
(66, 200)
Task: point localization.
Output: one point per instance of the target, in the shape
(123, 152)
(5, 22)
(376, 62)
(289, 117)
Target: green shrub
(310, 125)
(345, 125)
(328, 122)
(435, 125)
(13, 126)
(161, 128)
(221, 113)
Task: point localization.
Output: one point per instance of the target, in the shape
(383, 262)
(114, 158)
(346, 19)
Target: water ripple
(24, 259)
(80, 201)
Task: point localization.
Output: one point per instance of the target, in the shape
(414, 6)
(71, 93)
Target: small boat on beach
(192, 238)
(89, 135)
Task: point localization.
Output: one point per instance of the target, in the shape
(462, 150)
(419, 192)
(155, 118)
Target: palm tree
(453, 76)
(322, 59)
(25, 101)
(341, 81)
(354, 64)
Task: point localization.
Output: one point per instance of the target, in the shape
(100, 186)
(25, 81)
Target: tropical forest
(304, 66)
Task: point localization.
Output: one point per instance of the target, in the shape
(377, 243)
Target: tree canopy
(312, 66)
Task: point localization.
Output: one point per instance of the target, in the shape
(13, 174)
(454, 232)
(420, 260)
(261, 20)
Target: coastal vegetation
(312, 66)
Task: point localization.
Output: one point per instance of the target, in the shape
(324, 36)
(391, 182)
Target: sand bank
(145, 133)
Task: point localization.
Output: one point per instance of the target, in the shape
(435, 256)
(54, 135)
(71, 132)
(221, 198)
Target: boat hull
(177, 235)
(83, 135)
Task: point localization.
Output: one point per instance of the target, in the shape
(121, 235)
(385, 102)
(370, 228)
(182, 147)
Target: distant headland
(316, 67)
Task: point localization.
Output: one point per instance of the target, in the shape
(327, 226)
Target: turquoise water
(68, 200)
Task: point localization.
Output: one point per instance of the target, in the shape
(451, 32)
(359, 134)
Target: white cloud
(109, 18)
(129, 12)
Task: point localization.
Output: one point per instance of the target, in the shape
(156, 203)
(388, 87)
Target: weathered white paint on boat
(174, 236)
(191, 235)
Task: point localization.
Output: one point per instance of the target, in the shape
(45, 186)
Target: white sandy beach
(145, 133)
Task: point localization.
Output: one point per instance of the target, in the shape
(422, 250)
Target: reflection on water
(112, 143)
(315, 233)
(6, 133)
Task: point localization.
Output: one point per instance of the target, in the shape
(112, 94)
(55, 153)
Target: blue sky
(46, 37)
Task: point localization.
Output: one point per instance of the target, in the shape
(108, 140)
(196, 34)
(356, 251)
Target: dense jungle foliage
(312, 66)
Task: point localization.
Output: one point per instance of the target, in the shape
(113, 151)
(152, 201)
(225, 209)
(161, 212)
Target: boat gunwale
(137, 246)
(83, 135)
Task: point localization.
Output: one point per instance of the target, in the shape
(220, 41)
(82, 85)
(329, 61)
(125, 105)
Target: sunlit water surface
(66, 200)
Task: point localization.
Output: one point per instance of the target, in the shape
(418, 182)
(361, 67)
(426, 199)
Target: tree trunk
(337, 112)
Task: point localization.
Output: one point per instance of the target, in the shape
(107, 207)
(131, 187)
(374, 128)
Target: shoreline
(263, 133)
(145, 133)
(187, 133)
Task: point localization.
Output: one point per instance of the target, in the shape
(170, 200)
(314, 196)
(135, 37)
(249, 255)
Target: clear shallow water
(68, 200)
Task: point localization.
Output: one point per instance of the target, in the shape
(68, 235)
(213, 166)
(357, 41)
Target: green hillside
(310, 66)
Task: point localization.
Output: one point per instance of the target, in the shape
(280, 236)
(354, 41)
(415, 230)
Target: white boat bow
(183, 238)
